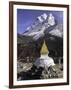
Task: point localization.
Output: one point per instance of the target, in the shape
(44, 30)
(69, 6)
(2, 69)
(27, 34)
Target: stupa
(44, 60)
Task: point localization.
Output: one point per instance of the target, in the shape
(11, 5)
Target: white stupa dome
(44, 60)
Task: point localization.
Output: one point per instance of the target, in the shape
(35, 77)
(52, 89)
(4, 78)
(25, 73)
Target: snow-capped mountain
(56, 32)
(41, 24)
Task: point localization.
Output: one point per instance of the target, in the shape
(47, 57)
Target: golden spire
(44, 49)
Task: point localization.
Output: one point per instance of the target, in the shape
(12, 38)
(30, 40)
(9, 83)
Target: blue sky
(26, 17)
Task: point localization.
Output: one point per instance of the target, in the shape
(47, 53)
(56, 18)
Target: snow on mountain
(42, 23)
(39, 34)
(57, 31)
(42, 18)
(51, 20)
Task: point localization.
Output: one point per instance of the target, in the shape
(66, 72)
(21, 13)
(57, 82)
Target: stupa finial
(44, 49)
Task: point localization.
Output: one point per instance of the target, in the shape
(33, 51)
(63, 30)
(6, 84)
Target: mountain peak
(42, 17)
(39, 26)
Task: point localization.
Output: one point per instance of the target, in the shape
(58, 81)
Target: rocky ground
(24, 72)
